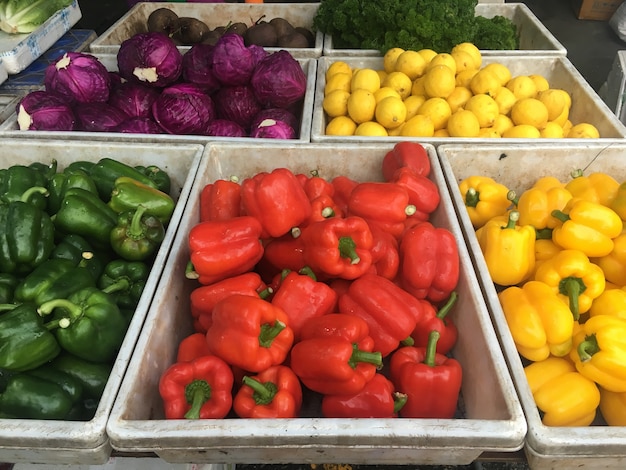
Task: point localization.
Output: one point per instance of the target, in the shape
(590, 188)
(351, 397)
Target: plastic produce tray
(534, 37)
(492, 416)
(587, 106)
(309, 66)
(518, 166)
(214, 14)
(86, 442)
(18, 51)
(4, 74)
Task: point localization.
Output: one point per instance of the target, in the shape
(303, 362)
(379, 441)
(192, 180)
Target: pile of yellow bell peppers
(557, 255)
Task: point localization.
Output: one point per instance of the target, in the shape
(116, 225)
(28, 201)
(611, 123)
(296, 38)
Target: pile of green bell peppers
(76, 248)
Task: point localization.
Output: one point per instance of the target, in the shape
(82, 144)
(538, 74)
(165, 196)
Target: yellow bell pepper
(535, 206)
(547, 182)
(544, 250)
(611, 302)
(619, 202)
(574, 278)
(509, 250)
(613, 407)
(484, 198)
(540, 322)
(587, 226)
(564, 396)
(599, 351)
(614, 264)
(598, 187)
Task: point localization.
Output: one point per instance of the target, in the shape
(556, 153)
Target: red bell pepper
(437, 320)
(390, 312)
(406, 154)
(385, 255)
(429, 262)
(378, 399)
(199, 389)
(249, 332)
(224, 248)
(316, 186)
(192, 347)
(277, 200)
(204, 298)
(423, 192)
(339, 325)
(324, 207)
(286, 252)
(383, 204)
(343, 187)
(220, 200)
(273, 393)
(338, 247)
(431, 381)
(302, 296)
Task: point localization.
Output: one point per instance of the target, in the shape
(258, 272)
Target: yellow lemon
(485, 108)
(384, 92)
(522, 131)
(381, 74)
(567, 126)
(465, 77)
(458, 98)
(463, 60)
(505, 99)
(463, 123)
(530, 111)
(502, 123)
(522, 86)
(371, 129)
(411, 63)
(390, 112)
(438, 110)
(562, 118)
(541, 82)
(367, 79)
(399, 82)
(488, 133)
(340, 125)
(361, 105)
(439, 81)
(390, 57)
(427, 54)
(556, 101)
(338, 67)
(417, 88)
(472, 50)
(484, 82)
(338, 81)
(442, 58)
(583, 130)
(441, 133)
(336, 103)
(552, 131)
(501, 71)
(396, 131)
(412, 104)
(418, 126)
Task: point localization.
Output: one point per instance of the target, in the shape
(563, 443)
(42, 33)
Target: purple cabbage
(233, 62)
(134, 99)
(151, 58)
(184, 108)
(236, 103)
(198, 67)
(278, 114)
(278, 80)
(42, 111)
(78, 78)
(225, 128)
(139, 125)
(98, 117)
(258, 53)
(272, 129)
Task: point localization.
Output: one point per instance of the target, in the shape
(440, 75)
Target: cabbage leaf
(25, 16)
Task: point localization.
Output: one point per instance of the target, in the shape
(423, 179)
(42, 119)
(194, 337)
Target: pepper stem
(358, 355)
(135, 229)
(190, 271)
(543, 234)
(572, 287)
(472, 198)
(120, 284)
(269, 332)
(588, 348)
(562, 216)
(443, 311)
(347, 249)
(512, 196)
(264, 393)
(410, 210)
(431, 348)
(34, 190)
(197, 393)
(307, 271)
(74, 311)
(399, 400)
(512, 221)
(328, 212)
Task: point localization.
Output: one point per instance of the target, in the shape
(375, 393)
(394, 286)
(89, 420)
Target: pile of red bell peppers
(334, 290)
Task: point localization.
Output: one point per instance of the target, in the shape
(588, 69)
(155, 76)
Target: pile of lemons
(428, 94)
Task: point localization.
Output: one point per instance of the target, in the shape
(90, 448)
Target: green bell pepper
(77, 249)
(91, 375)
(53, 279)
(88, 324)
(25, 342)
(137, 234)
(125, 281)
(160, 177)
(29, 397)
(8, 283)
(80, 165)
(107, 170)
(128, 194)
(69, 384)
(17, 179)
(87, 215)
(26, 236)
(61, 182)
